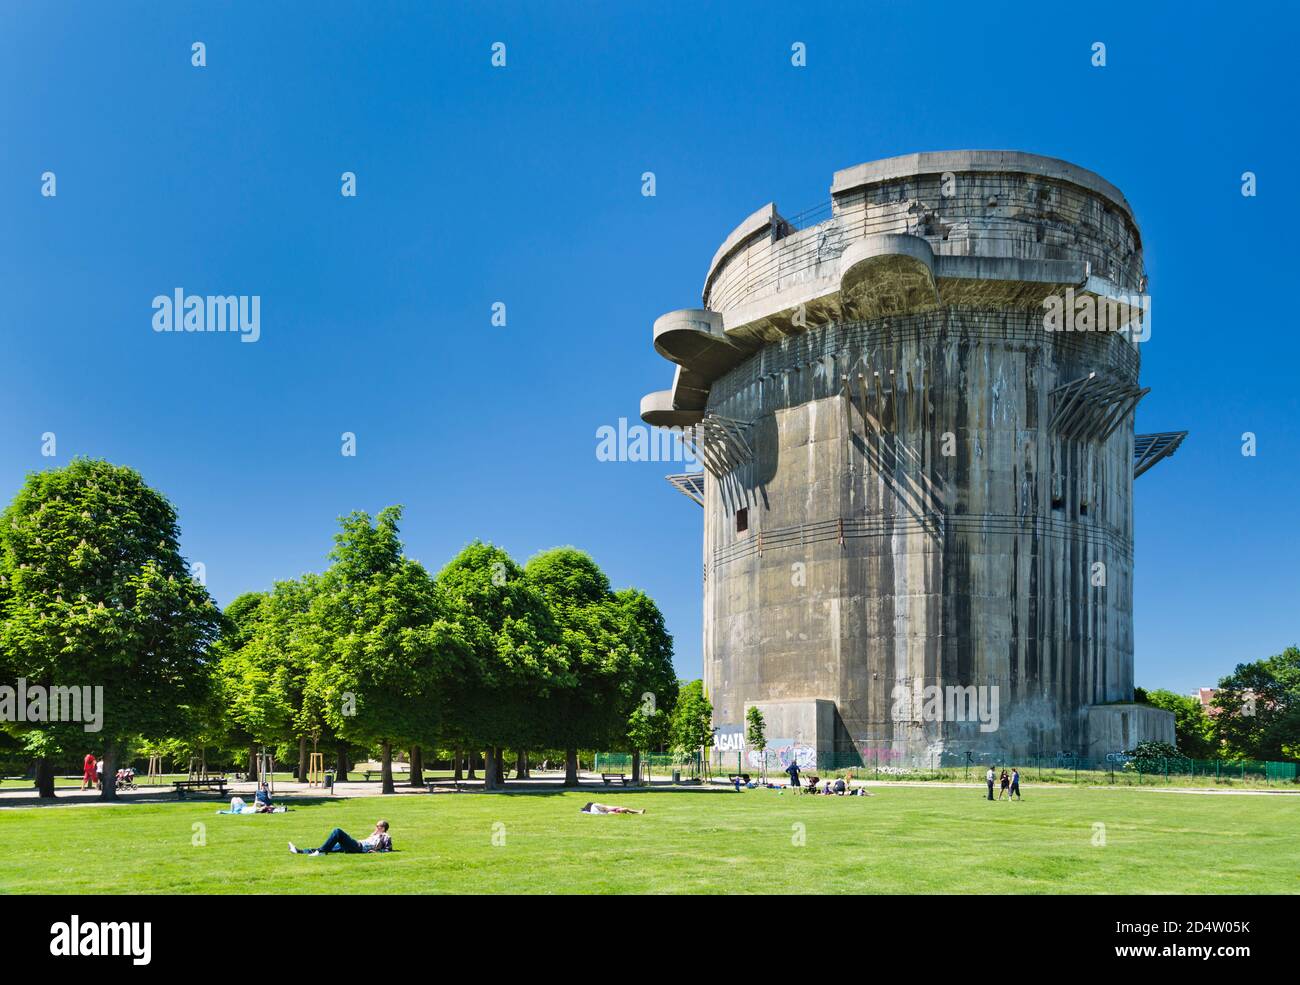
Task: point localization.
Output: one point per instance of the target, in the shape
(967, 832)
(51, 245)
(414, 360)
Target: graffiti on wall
(780, 753)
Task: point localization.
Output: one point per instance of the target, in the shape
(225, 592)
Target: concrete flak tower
(914, 412)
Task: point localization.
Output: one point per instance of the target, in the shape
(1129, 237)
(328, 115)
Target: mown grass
(901, 840)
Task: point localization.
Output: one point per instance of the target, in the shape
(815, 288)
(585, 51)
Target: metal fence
(1116, 768)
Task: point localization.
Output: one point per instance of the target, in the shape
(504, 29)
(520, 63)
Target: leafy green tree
(507, 697)
(756, 735)
(647, 729)
(599, 645)
(692, 724)
(647, 681)
(266, 657)
(1191, 724)
(387, 644)
(1259, 707)
(98, 594)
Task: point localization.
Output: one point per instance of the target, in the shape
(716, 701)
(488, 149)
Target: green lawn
(902, 840)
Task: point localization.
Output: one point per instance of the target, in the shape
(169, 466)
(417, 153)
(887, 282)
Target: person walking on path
(88, 775)
(1015, 785)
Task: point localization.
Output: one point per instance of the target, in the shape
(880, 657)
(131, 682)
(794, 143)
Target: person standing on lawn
(89, 777)
(793, 771)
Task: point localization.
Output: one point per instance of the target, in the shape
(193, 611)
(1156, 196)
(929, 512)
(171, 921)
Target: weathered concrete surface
(913, 515)
(1116, 728)
(811, 723)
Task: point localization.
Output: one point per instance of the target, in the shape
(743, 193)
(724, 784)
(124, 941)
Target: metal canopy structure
(1092, 407)
(719, 444)
(1149, 449)
(690, 484)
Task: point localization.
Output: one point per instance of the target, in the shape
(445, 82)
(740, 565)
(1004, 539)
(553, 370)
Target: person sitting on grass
(841, 786)
(262, 801)
(594, 808)
(340, 841)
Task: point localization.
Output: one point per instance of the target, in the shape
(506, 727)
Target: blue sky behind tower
(522, 185)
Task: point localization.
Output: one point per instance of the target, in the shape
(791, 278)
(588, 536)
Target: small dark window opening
(1083, 509)
(1058, 502)
(742, 520)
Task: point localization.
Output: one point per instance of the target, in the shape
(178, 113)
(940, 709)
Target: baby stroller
(126, 779)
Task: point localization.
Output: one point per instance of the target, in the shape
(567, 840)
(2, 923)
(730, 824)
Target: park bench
(217, 783)
(432, 785)
(608, 778)
(380, 773)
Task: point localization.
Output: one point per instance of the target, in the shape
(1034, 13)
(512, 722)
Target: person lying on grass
(595, 808)
(340, 841)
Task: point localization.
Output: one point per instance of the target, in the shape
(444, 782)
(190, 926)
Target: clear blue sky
(522, 185)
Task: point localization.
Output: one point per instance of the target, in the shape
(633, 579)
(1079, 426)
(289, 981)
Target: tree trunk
(457, 761)
(253, 773)
(469, 765)
(388, 768)
(302, 759)
(341, 767)
(44, 778)
(521, 763)
(636, 767)
(570, 767)
(491, 778)
(108, 790)
(417, 767)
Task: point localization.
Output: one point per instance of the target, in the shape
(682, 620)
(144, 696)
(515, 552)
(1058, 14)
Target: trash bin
(677, 776)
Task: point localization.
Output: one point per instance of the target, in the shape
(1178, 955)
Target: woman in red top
(88, 775)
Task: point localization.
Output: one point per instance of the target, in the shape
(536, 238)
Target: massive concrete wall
(872, 559)
(906, 503)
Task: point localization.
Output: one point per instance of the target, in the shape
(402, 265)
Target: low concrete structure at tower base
(1123, 726)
